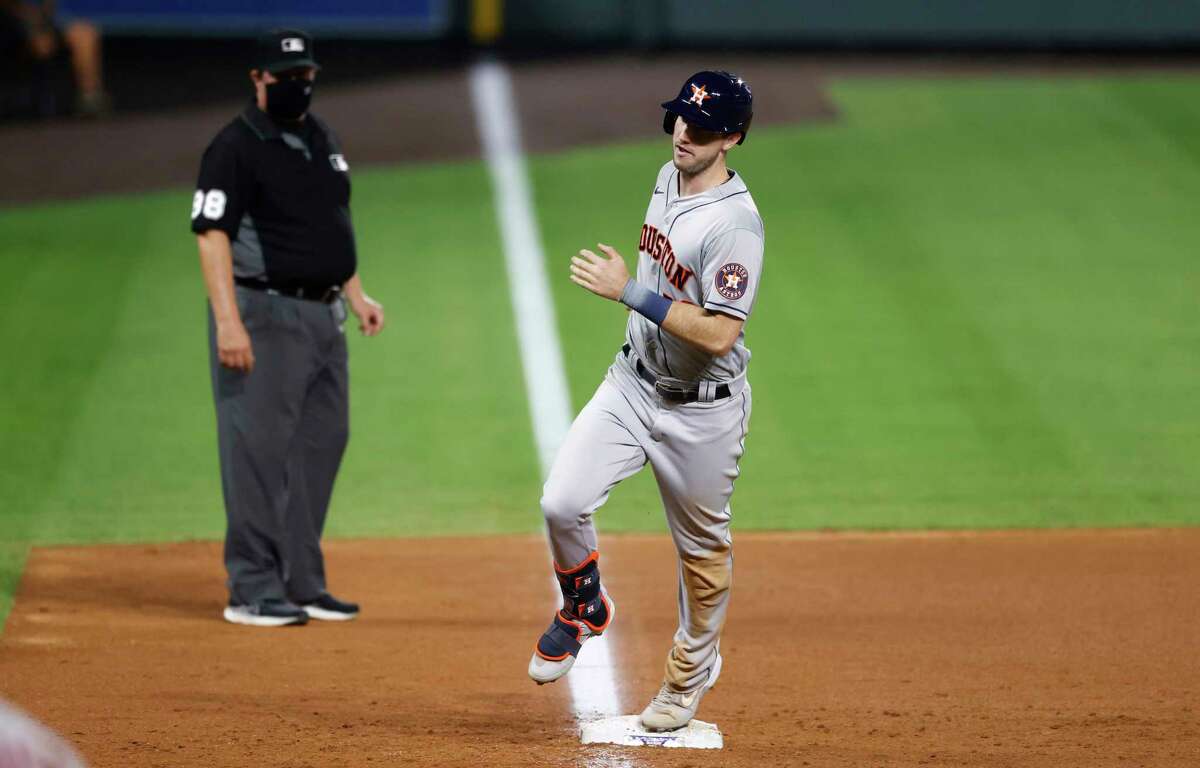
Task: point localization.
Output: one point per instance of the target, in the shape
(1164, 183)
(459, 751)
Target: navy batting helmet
(715, 101)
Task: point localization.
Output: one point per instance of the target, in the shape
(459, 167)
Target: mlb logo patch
(339, 163)
(293, 44)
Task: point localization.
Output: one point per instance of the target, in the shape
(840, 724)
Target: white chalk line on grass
(592, 679)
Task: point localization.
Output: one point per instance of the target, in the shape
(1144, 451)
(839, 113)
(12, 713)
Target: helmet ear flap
(745, 129)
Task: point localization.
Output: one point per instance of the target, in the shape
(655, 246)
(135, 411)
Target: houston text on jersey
(658, 247)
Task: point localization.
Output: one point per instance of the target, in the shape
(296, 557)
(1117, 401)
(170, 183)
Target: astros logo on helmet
(715, 101)
(699, 94)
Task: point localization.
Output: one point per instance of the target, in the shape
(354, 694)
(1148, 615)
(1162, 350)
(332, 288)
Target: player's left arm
(711, 332)
(714, 333)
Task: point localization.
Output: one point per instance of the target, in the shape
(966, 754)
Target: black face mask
(289, 99)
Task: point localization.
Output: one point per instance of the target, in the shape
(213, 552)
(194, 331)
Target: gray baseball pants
(281, 433)
(693, 450)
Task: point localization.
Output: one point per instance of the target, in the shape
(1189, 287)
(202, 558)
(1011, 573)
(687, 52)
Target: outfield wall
(400, 19)
(677, 23)
(856, 23)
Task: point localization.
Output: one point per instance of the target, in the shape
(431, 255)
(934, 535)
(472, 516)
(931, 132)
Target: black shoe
(267, 613)
(329, 608)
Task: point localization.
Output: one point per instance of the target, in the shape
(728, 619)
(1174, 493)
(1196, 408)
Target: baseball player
(676, 397)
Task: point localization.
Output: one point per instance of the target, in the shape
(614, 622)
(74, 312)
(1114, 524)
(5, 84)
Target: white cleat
(670, 710)
(558, 647)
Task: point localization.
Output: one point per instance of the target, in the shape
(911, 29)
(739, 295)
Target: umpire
(271, 215)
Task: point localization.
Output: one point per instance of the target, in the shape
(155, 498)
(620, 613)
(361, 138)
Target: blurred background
(159, 54)
(979, 307)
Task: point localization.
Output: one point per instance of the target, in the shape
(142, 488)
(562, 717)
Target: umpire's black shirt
(281, 191)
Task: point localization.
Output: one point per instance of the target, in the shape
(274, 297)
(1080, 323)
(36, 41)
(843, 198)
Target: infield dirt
(999, 649)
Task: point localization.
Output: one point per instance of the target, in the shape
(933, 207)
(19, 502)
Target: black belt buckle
(666, 391)
(675, 394)
(324, 296)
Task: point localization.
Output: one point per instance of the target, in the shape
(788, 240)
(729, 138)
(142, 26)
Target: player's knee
(560, 509)
(695, 540)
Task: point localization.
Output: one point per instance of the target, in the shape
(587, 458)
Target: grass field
(979, 310)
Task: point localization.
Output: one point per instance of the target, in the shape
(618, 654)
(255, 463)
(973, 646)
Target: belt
(325, 294)
(671, 392)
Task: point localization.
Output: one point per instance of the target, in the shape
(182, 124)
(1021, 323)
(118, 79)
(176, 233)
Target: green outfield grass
(979, 309)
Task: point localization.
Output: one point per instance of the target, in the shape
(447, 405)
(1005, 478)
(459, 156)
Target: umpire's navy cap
(282, 49)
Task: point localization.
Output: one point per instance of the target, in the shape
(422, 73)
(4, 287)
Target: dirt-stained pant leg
(696, 463)
(602, 448)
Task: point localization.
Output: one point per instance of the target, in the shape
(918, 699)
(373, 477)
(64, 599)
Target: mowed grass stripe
(58, 307)
(57, 318)
(1073, 266)
(978, 307)
(441, 439)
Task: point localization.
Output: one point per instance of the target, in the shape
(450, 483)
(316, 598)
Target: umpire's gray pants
(281, 433)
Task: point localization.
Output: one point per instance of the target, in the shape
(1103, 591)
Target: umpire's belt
(676, 393)
(326, 294)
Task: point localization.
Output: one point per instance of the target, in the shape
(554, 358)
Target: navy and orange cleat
(586, 612)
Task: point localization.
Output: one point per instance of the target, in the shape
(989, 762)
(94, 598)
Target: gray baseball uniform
(707, 250)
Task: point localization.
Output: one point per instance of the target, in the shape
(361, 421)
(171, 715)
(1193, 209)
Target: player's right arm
(713, 332)
(216, 262)
(217, 209)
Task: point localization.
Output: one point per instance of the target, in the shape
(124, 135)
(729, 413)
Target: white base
(628, 732)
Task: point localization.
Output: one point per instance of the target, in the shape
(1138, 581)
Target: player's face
(695, 149)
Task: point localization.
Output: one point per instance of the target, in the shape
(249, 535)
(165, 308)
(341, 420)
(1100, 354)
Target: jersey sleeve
(732, 271)
(221, 191)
